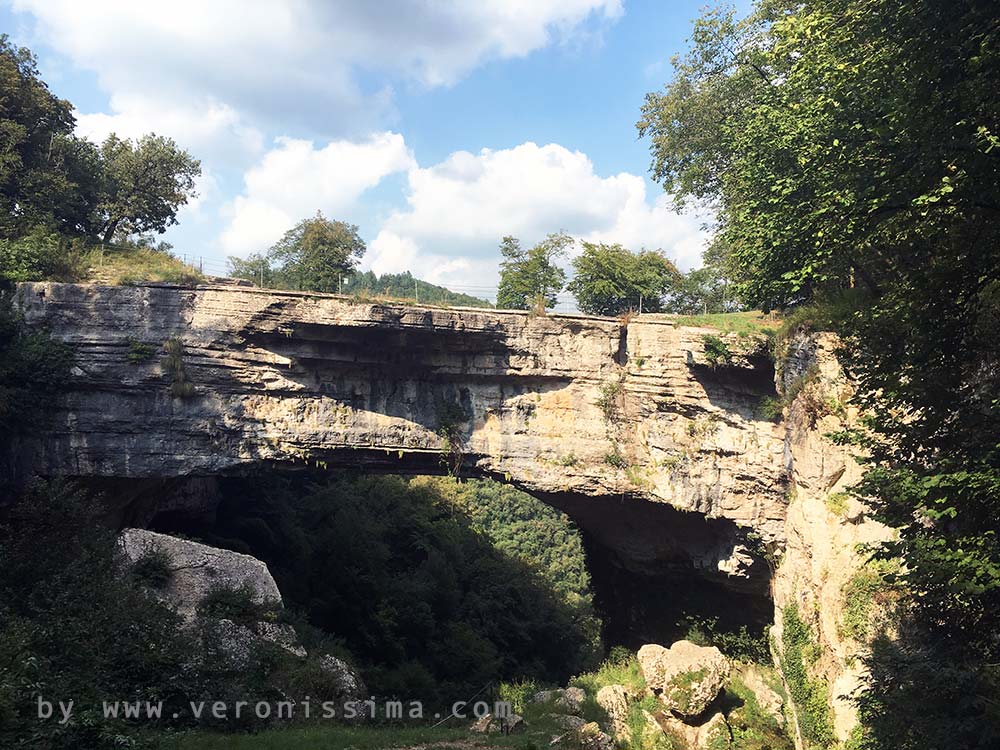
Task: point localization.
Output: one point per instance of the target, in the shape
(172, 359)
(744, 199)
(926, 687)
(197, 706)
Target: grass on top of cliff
(134, 265)
(751, 321)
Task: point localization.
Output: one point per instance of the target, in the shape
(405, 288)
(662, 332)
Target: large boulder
(712, 734)
(240, 623)
(565, 721)
(349, 684)
(588, 737)
(565, 700)
(686, 677)
(614, 699)
(191, 570)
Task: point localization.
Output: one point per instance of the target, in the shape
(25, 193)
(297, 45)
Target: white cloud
(205, 126)
(295, 179)
(459, 209)
(290, 63)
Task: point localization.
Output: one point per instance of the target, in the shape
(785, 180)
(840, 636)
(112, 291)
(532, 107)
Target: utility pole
(416, 291)
(640, 304)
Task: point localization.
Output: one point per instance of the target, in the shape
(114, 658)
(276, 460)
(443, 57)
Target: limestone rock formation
(713, 734)
(584, 413)
(565, 700)
(767, 697)
(686, 677)
(193, 570)
(345, 677)
(588, 737)
(188, 572)
(566, 721)
(653, 447)
(614, 699)
(825, 526)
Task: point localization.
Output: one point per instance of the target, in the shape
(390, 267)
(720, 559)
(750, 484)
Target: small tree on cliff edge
(529, 275)
(317, 252)
(611, 280)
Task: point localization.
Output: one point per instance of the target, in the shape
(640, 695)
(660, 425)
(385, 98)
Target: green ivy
(809, 694)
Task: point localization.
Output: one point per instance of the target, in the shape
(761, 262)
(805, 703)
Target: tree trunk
(110, 231)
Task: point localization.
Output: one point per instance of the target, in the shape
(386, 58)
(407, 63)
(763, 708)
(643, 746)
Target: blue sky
(437, 127)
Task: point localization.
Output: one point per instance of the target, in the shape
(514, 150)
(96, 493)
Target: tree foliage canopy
(531, 276)
(142, 185)
(436, 587)
(610, 280)
(315, 254)
(54, 184)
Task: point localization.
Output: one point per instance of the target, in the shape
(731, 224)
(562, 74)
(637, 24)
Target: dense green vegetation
(75, 625)
(435, 587)
(405, 286)
(850, 147)
(62, 618)
(314, 255)
(610, 280)
(809, 694)
(61, 195)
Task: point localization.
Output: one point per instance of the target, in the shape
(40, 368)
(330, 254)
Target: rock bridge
(655, 450)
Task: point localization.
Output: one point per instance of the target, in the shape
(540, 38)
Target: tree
(46, 175)
(52, 180)
(255, 267)
(851, 149)
(316, 253)
(530, 276)
(611, 280)
(143, 184)
(705, 290)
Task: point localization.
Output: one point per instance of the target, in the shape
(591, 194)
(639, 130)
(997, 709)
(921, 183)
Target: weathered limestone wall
(824, 526)
(613, 422)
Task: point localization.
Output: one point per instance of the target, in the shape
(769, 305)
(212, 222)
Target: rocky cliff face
(826, 529)
(627, 427)
(650, 442)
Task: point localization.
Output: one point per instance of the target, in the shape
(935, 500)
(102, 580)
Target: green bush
(139, 352)
(236, 603)
(869, 596)
(153, 568)
(180, 386)
(610, 399)
(717, 351)
(770, 409)
(616, 459)
(40, 254)
(752, 727)
(517, 693)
